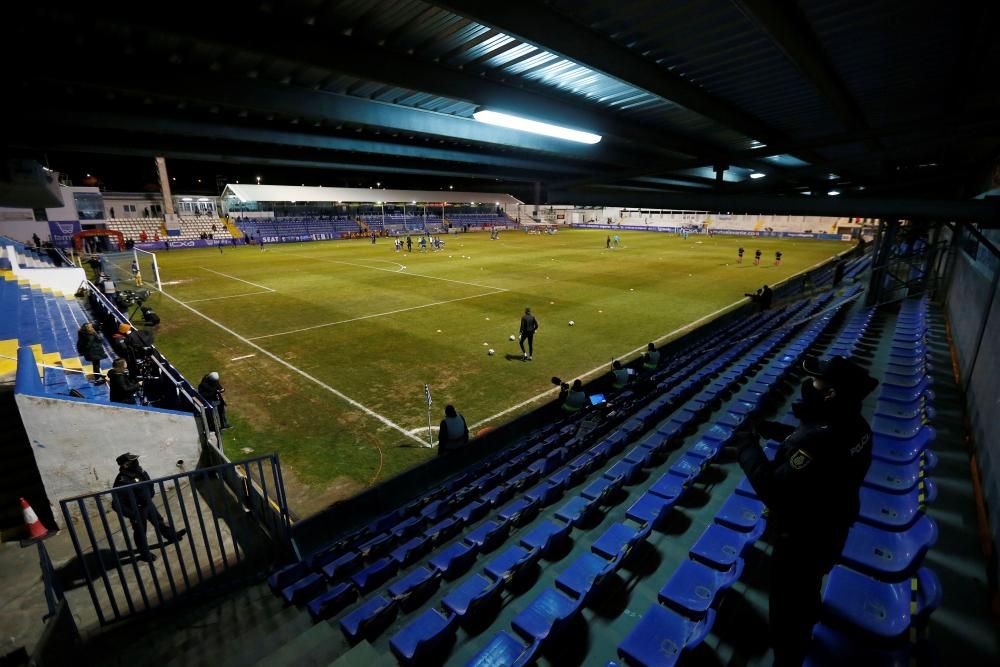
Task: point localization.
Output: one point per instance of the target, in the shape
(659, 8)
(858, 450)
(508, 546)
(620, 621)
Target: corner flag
(427, 394)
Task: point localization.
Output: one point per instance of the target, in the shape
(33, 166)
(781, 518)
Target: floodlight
(535, 127)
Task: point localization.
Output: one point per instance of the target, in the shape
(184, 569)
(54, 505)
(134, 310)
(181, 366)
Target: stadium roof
(295, 193)
(871, 99)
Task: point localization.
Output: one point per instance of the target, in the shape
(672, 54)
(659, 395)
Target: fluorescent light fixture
(185, 199)
(535, 127)
(414, 201)
(833, 193)
(755, 175)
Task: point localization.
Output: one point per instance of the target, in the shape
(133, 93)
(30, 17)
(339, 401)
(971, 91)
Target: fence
(236, 521)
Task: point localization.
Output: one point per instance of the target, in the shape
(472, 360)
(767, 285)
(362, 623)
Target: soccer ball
(491, 352)
(512, 337)
(571, 322)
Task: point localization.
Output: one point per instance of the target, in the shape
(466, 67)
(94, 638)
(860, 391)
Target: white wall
(75, 443)
(19, 224)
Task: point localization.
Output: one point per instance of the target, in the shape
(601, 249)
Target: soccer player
(609, 242)
(777, 257)
(618, 241)
(260, 241)
(756, 257)
(739, 255)
(529, 325)
(136, 274)
(409, 243)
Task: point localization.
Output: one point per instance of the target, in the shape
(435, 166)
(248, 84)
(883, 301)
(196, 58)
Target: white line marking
(245, 356)
(368, 317)
(344, 397)
(407, 273)
(231, 296)
(605, 366)
(226, 275)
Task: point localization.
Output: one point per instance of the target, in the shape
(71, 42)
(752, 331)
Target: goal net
(134, 268)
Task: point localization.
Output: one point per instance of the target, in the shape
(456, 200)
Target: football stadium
(460, 333)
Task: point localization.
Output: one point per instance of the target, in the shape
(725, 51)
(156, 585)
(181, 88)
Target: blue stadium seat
(627, 471)
(544, 493)
(902, 450)
(415, 585)
(650, 509)
(661, 635)
(687, 467)
(411, 550)
(443, 530)
(375, 574)
(740, 513)
(546, 536)
(370, 618)
(375, 546)
(895, 511)
(519, 512)
(832, 648)
(879, 609)
(896, 478)
(704, 449)
(618, 540)
(454, 559)
(721, 547)
(472, 594)
(890, 555)
(585, 576)
(342, 566)
(546, 616)
(599, 490)
(668, 486)
(576, 510)
(332, 601)
(694, 587)
(287, 575)
(304, 589)
(488, 535)
(511, 563)
(422, 636)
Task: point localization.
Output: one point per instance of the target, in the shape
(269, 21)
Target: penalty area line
(604, 367)
(344, 397)
(368, 317)
(231, 296)
(226, 275)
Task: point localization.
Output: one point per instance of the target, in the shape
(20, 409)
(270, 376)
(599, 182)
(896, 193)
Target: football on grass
(571, 322)
(512, 336)
(491, 352)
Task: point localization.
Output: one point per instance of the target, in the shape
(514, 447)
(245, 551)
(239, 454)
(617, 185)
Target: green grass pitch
(344, 335)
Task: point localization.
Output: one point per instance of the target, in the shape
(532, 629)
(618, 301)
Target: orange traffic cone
(35, 528)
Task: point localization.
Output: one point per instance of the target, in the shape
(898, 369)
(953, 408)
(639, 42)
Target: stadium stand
(378, 577)
(132, 228)
(323, 227)
(27, 256)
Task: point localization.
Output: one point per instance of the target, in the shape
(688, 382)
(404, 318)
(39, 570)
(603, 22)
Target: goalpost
(118, 265)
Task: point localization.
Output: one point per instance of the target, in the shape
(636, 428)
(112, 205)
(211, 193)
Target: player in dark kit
(529, 325)
(739, 255)
(777, 257)
(756, 258)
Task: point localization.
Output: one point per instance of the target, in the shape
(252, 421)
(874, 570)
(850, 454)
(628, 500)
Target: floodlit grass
(348, 315)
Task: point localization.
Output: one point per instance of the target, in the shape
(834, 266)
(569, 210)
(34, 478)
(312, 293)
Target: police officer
(136, 504)
(811, 491)
(651, 359)
(453, 433)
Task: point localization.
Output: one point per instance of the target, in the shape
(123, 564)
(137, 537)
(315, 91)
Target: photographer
(212, 390)
(134, 345)
(123, 388)
(762, 297)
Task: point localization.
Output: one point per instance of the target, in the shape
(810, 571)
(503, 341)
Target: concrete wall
(973, 300)
(75, 442)
(19, 224)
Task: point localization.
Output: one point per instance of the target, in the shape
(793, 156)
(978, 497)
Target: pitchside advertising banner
(214, 243)
(721, 232)
(62, 232)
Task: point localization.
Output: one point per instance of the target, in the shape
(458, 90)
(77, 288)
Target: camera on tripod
(127, 298)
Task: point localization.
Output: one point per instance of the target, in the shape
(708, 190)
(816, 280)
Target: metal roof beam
(788, 29)
(541, 26)
(187, 128)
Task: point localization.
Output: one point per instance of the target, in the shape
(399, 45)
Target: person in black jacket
(811, 490)
(529, 325)
(123, 388)
(136, 504)
(453, 434)
(212, 390)
(88, 346)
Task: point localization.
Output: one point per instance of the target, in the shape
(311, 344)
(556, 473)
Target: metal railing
(144, 545)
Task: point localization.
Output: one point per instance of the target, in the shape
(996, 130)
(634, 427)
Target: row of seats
(332, 227)
(478, 219)
(47, 323)
(133, 228)
(549, 457)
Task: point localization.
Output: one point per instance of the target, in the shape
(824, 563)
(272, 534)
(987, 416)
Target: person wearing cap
(212, 390)
(135, 503)
(811, 489)
(529, 325)
(123, 388)
(453, 433)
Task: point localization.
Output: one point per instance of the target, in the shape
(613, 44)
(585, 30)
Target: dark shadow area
(643, 560)
(740, 624)
(712, 474)
(675, 523)
(574, 648)
(694, 497)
